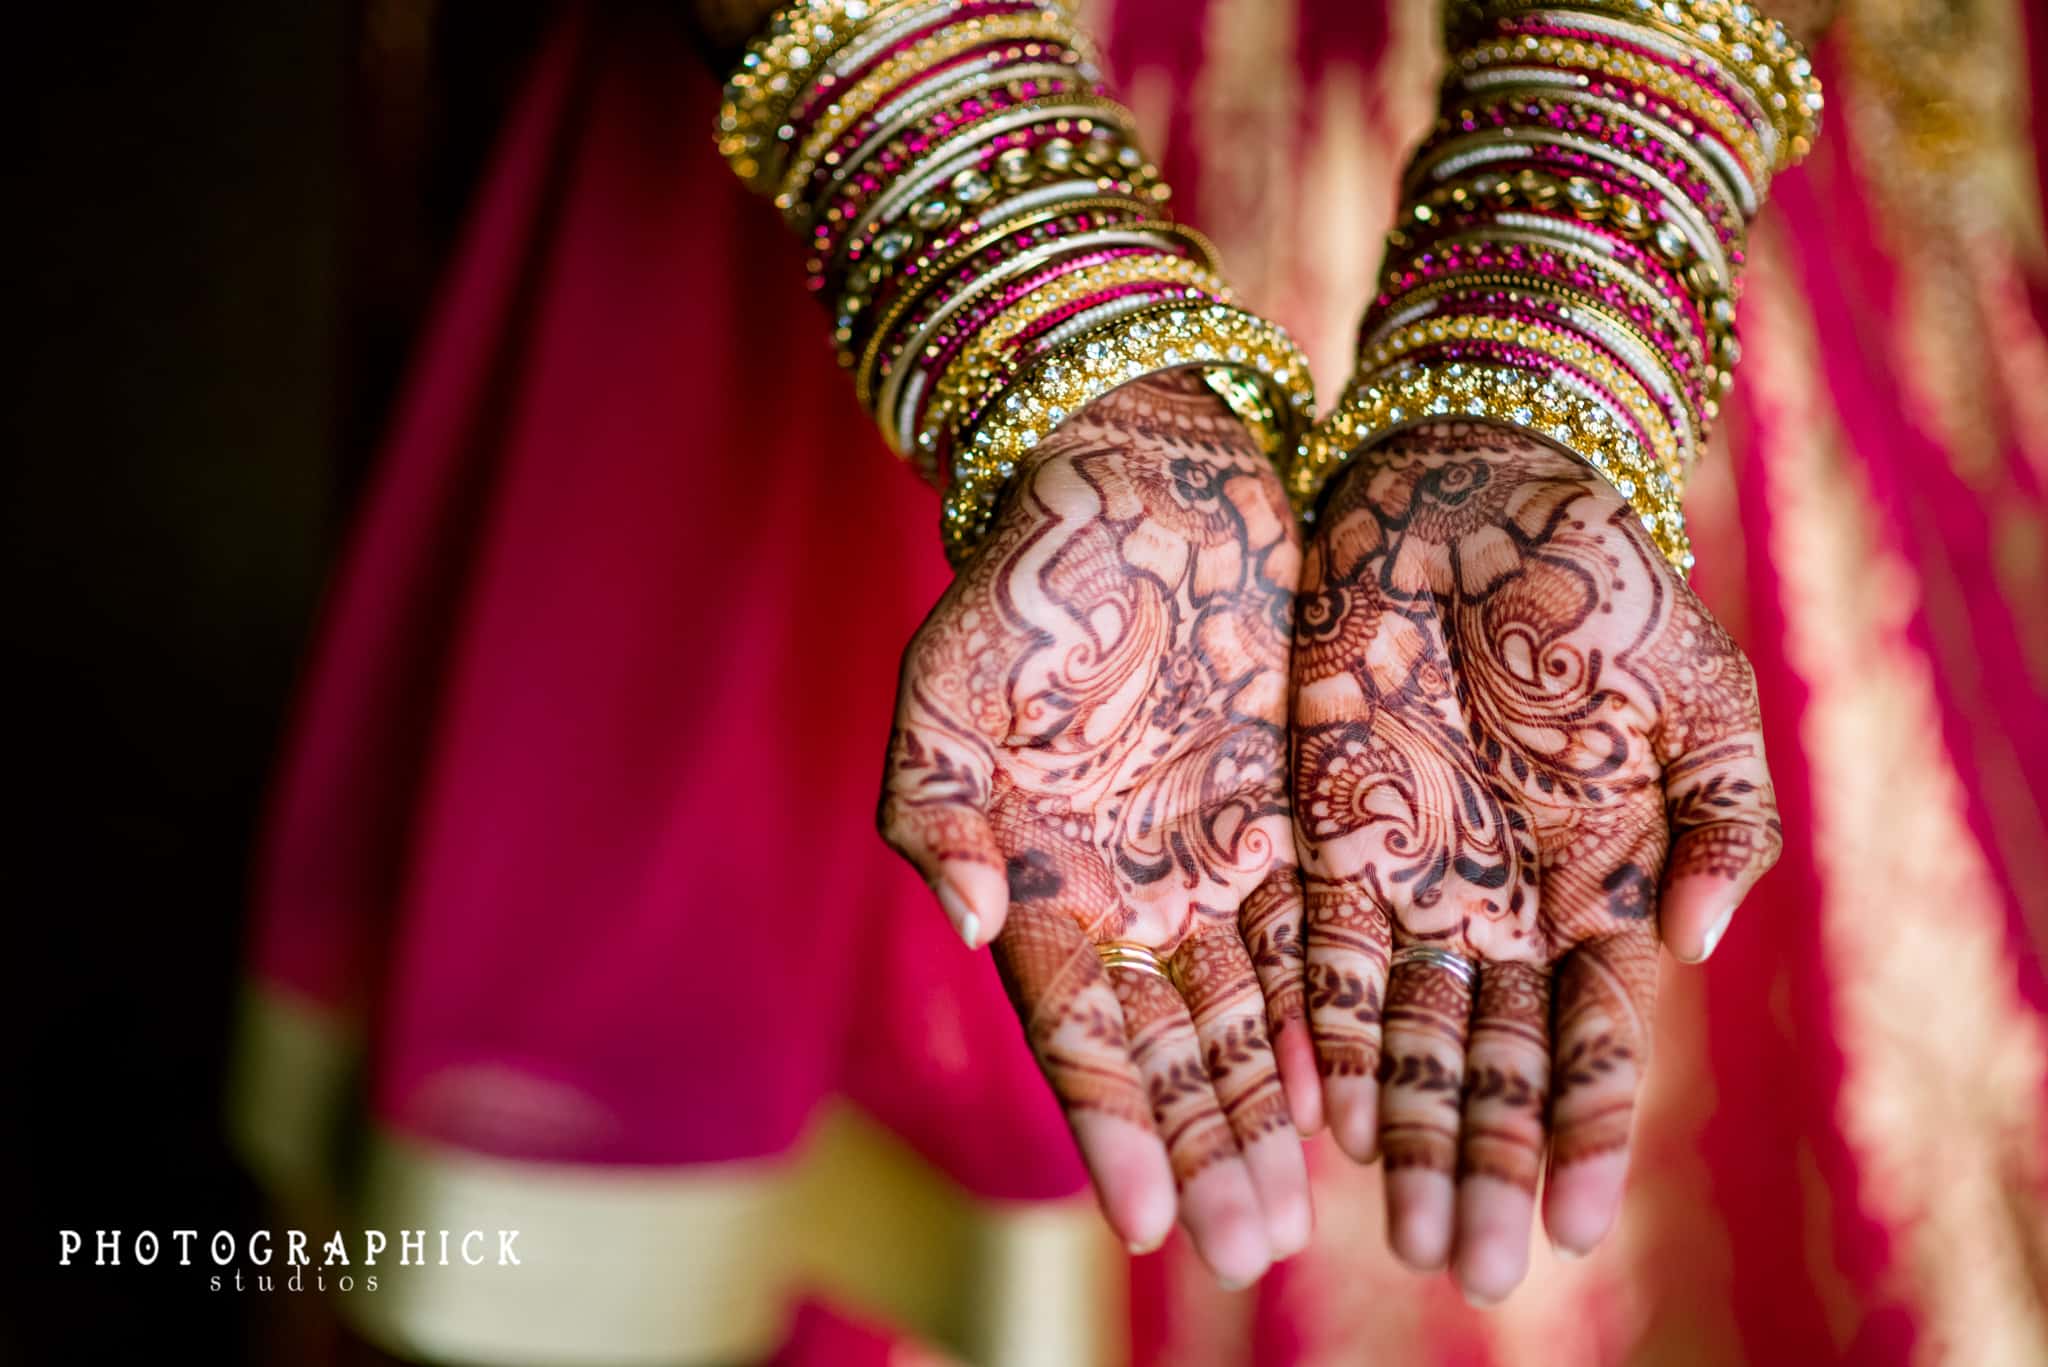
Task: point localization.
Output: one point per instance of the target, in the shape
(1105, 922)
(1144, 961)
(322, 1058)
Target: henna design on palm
(1090, 746)
(1518, 736)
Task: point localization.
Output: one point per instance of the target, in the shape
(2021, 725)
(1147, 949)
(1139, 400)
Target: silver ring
(1452, 962)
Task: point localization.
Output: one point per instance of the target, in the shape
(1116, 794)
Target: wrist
(1509, 456)
(1168, 432)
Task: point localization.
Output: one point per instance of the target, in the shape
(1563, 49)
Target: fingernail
(1711, 938)
(1479, 1302)
(964, 921)
(1139, 1248)
(1570, 1255)
(1713, 935)
(1719, 928)
(1229, 1285)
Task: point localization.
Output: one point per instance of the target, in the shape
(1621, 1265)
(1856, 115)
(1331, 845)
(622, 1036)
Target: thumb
(1725, 835)
(952, 847)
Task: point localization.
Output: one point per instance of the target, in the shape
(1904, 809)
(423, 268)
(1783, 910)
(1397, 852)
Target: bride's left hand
(1523, 754)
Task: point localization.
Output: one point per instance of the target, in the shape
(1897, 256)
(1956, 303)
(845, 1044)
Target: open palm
(1523, 753)
(1090, 750)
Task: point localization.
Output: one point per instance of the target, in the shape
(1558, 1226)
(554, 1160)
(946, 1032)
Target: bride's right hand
(1091, 747)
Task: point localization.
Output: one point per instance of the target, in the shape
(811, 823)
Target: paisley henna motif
(1515, 730)
(1098, 708)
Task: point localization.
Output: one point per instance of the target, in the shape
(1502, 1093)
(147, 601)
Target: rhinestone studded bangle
(1212, 336)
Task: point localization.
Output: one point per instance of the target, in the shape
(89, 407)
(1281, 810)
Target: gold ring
(1132, 955)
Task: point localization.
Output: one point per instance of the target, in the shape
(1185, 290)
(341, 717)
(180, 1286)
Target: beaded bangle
(990, 85)
(1567, 260)
(988, 234)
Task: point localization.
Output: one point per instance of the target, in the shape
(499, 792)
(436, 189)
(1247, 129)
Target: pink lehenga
(571, 918)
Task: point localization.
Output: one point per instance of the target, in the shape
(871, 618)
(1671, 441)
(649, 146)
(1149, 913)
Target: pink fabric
(583, 770)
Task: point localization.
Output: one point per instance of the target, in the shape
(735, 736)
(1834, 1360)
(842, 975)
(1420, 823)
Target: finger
(1422, 1073)
(1218, 1203)
(1349, 939)
(1604, 991)
(1217, 981)
(936, 783)
(1718, 799)
(1076, 1030)
(1271, 923)
(1507, 1072)
(1725, 835)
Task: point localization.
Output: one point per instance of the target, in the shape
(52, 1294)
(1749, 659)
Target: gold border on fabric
(625, 1265)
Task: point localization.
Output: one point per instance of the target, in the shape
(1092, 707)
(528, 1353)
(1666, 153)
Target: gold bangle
(1164, 337)
(899, 365)
(1437, 391)
(895, 127)
(931, 194)
(850, 106)
(1544, 191)
(984, 358)
(1561, 294)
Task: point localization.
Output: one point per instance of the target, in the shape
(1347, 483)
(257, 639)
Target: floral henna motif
(1507, 1075)
(1270, 921)
(1182, 1095)
(1070, 1016)
(1348, 925)
(1216, 978)
(1097, 707)
(1422, 1072)
(1515, 733)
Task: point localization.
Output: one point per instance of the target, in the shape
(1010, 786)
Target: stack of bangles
(990, 238)
(1567, 256)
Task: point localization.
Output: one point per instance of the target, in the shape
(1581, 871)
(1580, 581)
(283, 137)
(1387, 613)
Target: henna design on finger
(1070, 1016)
(1098, 706)
(1515, 725)
(1215, 978)
(1604, 993)
(1183, 1100)
(1507, 1076)
(1271, 923)
(1422, 1072)
(1350, 942)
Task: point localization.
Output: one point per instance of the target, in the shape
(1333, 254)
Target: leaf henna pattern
(1095, 715)
(1518, 736)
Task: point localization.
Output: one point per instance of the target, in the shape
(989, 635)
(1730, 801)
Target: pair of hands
(1478, 714)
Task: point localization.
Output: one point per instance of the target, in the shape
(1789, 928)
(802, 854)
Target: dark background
(229, 219)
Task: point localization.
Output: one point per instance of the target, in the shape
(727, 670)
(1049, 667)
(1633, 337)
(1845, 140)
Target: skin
(1091, 746)
(1518, 736)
